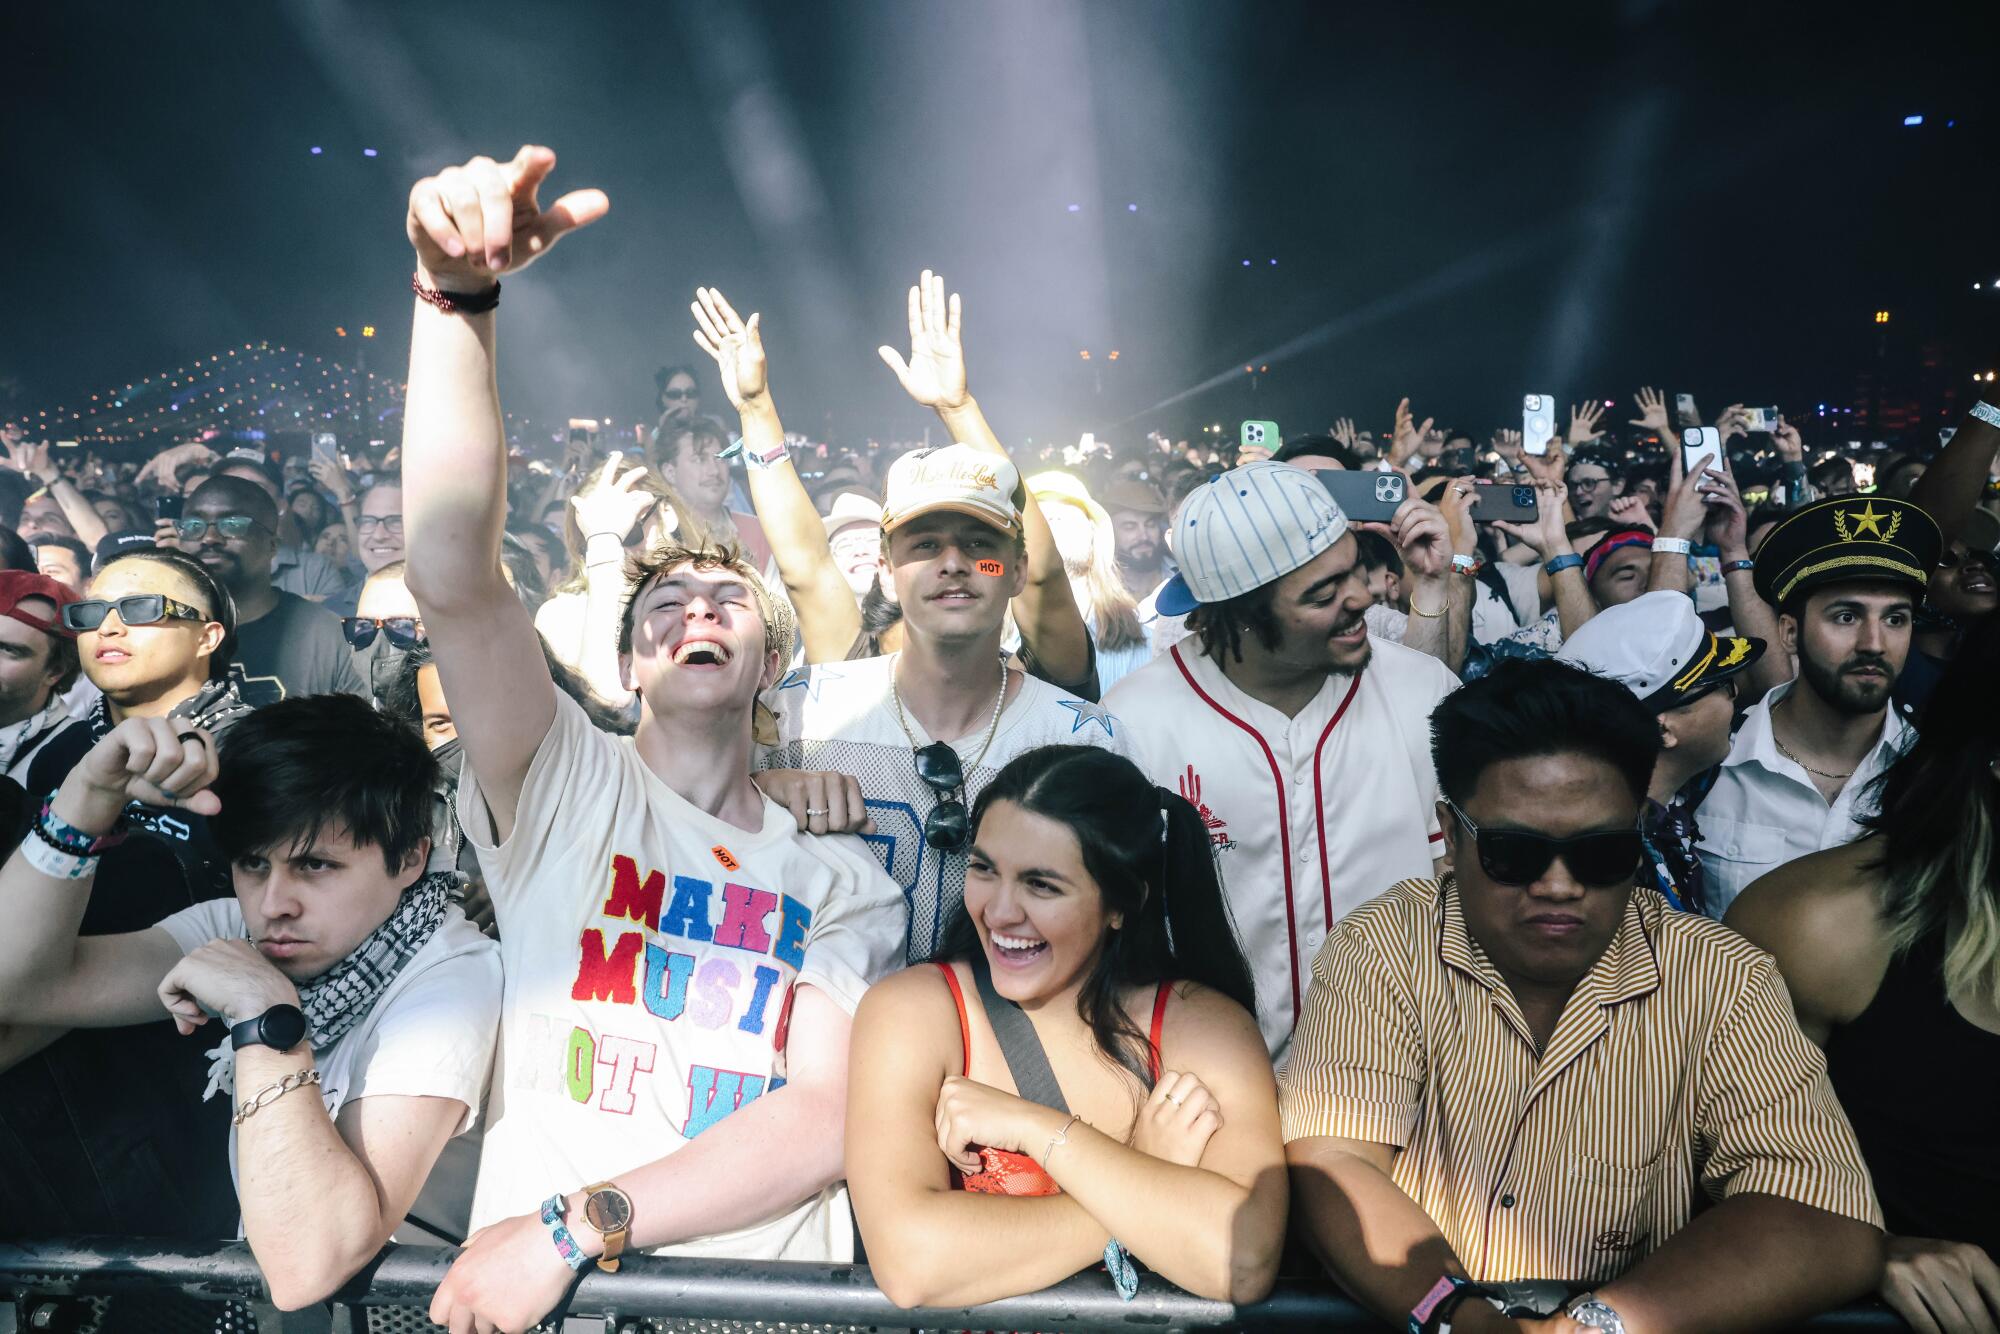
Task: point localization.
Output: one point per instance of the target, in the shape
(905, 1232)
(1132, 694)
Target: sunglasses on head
(948, 826)
(402, 631)
(229, 525)
(138, 609)
(1519, 857)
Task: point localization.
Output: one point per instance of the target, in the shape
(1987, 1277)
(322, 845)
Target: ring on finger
(814, 810)
(187, 736)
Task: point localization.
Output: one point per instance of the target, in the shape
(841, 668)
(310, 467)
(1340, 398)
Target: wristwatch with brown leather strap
(608, 1210)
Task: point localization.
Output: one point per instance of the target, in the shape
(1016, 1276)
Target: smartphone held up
(1538, 423)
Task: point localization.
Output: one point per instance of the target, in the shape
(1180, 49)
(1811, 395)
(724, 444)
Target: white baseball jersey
(1310, 816)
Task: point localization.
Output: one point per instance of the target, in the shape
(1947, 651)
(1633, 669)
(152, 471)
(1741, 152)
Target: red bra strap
(1159, 1023)
(965, 1030)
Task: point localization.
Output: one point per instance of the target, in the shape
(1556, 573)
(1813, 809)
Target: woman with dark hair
(1891, 948)
(1093, 961)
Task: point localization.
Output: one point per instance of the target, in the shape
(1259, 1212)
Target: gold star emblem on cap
(1853, 525)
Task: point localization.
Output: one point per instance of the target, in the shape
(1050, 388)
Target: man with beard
(1303, 741)
(1138, 523)
(285, 644)
(1845, 574)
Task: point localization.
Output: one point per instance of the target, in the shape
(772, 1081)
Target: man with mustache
(1846, 575)
(1303, 740)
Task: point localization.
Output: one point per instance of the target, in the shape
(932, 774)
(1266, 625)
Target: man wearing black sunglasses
(1525, 1070)
(287, 646)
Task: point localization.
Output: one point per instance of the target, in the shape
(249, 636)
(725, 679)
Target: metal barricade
(39, 1278)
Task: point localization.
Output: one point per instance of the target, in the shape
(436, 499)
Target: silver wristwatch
(1592, 1310)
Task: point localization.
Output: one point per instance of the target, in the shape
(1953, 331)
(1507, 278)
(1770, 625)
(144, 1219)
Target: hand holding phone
(1366, 497)
(1697, 444)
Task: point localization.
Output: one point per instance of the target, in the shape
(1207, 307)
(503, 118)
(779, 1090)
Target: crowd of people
(1006, 866)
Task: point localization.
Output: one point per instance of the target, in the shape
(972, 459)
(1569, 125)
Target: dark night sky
(1466, 202)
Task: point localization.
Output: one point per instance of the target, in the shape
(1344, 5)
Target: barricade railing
(37, 1275)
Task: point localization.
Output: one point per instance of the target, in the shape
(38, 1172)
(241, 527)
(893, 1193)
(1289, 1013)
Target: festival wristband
(1731, 567)
(1462, 564)
(1986, 412)
(554, 1211)
(1672, 546)
(55, 862)
(1567, 561)
(769, 458)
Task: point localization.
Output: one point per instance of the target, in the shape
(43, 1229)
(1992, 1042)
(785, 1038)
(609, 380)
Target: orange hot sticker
(723, 855)
(992, 567)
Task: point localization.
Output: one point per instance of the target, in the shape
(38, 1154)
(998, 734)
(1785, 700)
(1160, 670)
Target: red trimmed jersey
(1310, 817)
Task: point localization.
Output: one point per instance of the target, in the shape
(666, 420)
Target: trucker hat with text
(959, 478)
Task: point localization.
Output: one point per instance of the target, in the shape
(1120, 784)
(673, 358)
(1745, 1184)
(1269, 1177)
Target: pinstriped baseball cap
(1244, 529)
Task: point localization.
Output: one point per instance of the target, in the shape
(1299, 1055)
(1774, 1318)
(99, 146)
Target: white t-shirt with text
(651, 953)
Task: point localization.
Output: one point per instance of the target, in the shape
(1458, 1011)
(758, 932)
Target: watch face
(608, 1210)
(282, 1027)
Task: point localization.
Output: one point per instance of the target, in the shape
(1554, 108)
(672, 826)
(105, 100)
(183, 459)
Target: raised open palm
(934, 375)
(736, 345)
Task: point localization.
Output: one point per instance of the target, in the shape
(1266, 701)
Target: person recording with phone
(1531, 1066)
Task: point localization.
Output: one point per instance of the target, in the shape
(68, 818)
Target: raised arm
(606, 509)
(49, 975)
(1727, 527)
(82, 515)
(469, 225)
(829, 617)
(1050, 622)
(1548, 539)
(1950, 488)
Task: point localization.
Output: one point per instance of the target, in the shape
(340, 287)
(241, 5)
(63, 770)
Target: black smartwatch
(281, 1028)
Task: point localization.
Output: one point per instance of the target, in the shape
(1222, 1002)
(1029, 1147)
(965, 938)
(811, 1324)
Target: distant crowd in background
(1545, 878)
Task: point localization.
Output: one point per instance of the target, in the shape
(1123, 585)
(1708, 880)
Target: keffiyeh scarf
(17, 739)
(340, 998)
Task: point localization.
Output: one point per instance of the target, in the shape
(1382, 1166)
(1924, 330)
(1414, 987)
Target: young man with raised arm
(680, 961)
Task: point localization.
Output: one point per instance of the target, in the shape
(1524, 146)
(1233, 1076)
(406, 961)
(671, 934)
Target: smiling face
(1040, 915)
(379, 525)
(1548, 933)
(307, 908)
(699, 643)
(1962, 586)
(1590, 491)
(935, 559)
(1319, 609)
(857, 550)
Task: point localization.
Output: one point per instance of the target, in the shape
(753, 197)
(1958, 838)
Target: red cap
(18, 584)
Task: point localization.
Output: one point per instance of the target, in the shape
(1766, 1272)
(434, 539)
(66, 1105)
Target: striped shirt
(1676, 1064)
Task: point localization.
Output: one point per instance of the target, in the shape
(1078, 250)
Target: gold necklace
(992, 724)
(1819, 773)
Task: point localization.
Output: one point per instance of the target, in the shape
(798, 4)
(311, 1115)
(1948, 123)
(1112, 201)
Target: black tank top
(1922, 1086)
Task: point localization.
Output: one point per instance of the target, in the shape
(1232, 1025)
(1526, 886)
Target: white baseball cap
(952, 477)
(1657, 647)
(850, 508)
(1245, 528)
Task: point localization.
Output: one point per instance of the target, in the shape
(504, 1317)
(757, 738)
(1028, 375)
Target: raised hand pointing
(469, 224)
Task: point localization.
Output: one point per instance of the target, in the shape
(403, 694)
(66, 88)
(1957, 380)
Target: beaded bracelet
(66, 837)
(456, 303)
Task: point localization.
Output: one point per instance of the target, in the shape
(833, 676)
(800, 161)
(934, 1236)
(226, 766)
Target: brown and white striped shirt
(1676, 1064)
